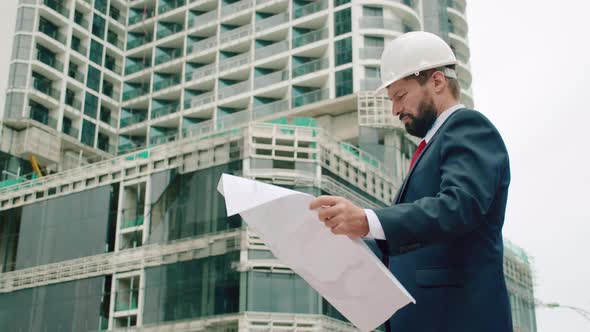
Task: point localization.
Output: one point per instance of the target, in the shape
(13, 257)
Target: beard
(423, 120)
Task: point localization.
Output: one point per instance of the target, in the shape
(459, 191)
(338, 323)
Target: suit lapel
(432, 140)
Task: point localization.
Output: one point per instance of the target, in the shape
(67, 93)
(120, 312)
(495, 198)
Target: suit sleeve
(473, 161)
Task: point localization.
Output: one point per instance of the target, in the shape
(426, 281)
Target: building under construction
(120, 117)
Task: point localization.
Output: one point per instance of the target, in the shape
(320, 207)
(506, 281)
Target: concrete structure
(119, 118)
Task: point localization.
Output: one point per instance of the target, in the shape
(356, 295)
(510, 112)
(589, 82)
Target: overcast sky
(531, 74)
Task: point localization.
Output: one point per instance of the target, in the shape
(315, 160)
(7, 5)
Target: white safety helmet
(412, 53)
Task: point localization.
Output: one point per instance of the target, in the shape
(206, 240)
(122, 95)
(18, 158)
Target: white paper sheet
(344, 271)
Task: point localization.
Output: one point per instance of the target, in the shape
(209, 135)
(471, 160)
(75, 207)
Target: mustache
(401, 116)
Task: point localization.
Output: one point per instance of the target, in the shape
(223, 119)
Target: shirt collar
(440, 120)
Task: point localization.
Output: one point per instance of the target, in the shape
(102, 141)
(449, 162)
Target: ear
(439, 81)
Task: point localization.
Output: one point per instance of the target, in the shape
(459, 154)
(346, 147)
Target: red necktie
(419, 150)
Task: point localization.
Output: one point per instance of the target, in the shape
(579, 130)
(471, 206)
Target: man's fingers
(326, 213)
(323, 201)
(335, 221)
(340, 229)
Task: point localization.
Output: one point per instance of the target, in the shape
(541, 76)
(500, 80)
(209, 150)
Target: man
(443, 233)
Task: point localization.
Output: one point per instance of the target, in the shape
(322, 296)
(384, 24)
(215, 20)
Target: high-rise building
(519, 280)
(120, 117)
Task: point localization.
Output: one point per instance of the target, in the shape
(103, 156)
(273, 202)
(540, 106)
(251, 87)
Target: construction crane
(582, 312)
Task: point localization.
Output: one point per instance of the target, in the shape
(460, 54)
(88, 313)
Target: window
(374, 41)
(96, 52)
(90, 105)
(344, 82)
(372, 11)
(342, 22)
(343, 51)
(98, 26)
(88, 130)
(93, 78)
(372, 72)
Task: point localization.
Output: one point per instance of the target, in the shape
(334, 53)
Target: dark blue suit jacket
(444, 231)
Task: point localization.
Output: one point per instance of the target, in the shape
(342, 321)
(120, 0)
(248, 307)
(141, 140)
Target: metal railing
(199, 100)
(234, 90)
(133, 119)
(202, 19)
(127, 95)
(272, 21)
(310, 37)
(270, 79)
(310, 67)
(201, 72)
(272, 49)
(205, 44)
(235, 34)
(165, 31)
(134, 68)
(167, 57)
(170, 5)
(146, 39)
(278, 106)
(236, 7)
(371, 52)
(165, 110)
(167, 82)
(379, 22)
(310, 97)
(311, 8)
(235, 61)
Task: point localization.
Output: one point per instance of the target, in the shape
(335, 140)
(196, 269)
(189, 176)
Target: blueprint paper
(344, 271)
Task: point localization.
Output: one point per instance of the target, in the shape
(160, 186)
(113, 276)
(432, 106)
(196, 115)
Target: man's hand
(341, 215)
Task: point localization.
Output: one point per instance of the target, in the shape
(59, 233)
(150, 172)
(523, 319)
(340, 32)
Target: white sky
(531, 67)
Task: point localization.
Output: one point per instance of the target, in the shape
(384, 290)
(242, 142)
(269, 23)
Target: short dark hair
(424, 75)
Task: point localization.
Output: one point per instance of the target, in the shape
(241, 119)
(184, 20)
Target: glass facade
(190, 205)
(342, 22)
(51, 231)
(192, 289)
(343, 51)
(66, 307)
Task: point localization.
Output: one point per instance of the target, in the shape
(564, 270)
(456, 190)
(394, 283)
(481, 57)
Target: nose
(396, 109)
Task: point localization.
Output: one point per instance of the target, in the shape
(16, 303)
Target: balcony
(74, 102)
(165, 110)
(133, 119)
(373, 53)
(310, 37)
(199, 100)
(79, 48)
(112, 66)
(168, 30)
(236, 7)
(53, 33)
(145, 15)
(42, 116)
(106, 147)
(134, 68)
(235, 34)
(370, 84)
(202, 19)
(234, 90)
(270, 50)
(310, 97)
(114, 40)
(50, 60)
(76, 74)
(377, 22)
(80, 20)
(167, 82)
(457, 5)
(278, 106)
(272, 21)
(201, 72)
(58, 7)
(167, 57)
(166, 6)
(311, 8)
(146, 39)
(115, 14)
(110, 92)
(70, 131)
(271, 79)
(205, 44)
(310, 67)
(131, 94)
(235, 62)
(45, 86)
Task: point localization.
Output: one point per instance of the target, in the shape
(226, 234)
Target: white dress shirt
(375, 228)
